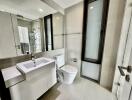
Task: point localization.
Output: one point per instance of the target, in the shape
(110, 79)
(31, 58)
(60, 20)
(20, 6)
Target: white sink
(29, 66)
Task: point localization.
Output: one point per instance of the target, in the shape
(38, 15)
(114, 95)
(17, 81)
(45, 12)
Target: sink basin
(37, 62)
(29, 66)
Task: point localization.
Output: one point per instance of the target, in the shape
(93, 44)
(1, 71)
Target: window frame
(46, 31)
(102, 31)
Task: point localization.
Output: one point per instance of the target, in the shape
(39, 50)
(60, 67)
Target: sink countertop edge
(12, 76)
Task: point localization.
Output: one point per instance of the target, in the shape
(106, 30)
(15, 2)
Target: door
(122, 85)
(125, 84)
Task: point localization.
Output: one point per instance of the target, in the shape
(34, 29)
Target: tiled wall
(73, 35)
(113, 31)
(58, 31)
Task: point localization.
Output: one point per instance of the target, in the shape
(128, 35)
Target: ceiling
(67, 3)
(33, 9)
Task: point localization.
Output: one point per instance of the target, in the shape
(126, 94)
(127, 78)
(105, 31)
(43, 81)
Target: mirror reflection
(30, 34)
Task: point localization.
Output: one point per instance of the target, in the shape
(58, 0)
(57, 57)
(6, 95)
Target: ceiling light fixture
(40, 10)
(91, 7)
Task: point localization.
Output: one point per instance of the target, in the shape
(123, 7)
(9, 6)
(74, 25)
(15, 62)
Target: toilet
(66, 73)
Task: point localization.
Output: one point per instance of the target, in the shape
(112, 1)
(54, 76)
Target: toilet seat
(69, 69)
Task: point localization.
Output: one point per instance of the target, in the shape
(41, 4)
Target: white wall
(53, 53)
(58, 31)
(114, 23)
(73, 37)
(7, 43)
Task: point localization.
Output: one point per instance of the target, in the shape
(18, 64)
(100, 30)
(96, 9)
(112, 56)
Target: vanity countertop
(12, 76)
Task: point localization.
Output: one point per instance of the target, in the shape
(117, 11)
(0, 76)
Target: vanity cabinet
(36, 83)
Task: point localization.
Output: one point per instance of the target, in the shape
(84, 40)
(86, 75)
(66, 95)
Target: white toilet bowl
(67, 72)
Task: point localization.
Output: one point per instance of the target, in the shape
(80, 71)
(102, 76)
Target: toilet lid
(69, 69)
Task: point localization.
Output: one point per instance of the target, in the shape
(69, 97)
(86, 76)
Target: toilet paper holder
(74, 59)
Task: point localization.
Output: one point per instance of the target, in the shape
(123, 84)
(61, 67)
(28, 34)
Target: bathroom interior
(65, 49)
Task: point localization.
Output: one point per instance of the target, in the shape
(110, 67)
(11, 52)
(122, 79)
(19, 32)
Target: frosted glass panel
(49, 34)
(49, 30)
(49, 47)
(93, 29)
(90, 70)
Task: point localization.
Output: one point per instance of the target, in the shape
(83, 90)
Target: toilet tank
(60, 60)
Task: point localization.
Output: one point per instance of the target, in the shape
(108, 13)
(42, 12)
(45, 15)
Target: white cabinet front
(36, 84)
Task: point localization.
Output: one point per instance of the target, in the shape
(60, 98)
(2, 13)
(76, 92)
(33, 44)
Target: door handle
(129, 70)
(127, 78)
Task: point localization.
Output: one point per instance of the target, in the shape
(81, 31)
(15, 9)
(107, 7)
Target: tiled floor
(81, 89)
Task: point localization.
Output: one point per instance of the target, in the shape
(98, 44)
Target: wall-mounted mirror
(31, 27)
(30, 35)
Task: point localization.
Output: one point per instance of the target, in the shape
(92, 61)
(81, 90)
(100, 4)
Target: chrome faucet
(33, 58)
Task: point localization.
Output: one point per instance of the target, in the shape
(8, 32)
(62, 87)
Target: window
(94, 26)
(48, 32)
(94, 30)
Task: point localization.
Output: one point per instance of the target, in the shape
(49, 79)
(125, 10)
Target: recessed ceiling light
(91, 7)
(40, 10)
